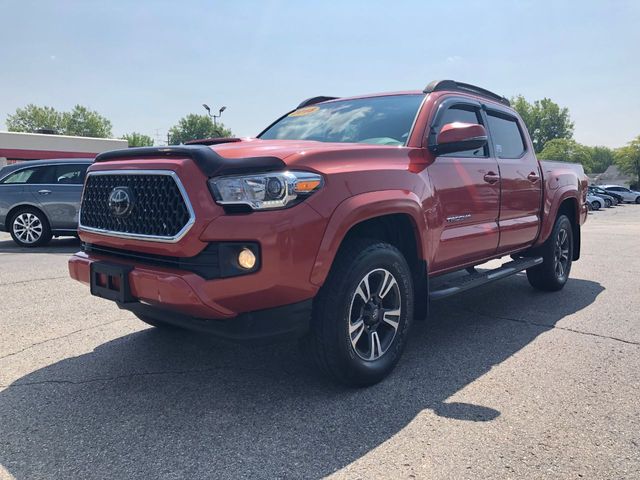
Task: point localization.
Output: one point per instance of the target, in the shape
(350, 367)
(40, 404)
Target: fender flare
(362, 207)
(551, 207)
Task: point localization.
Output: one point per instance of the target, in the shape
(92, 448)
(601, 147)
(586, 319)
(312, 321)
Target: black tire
(29, 228)
(607, 203)
(557, 253)
(638, 200)
(337, 342)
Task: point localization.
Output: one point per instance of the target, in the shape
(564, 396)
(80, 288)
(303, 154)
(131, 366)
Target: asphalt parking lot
(503, 382)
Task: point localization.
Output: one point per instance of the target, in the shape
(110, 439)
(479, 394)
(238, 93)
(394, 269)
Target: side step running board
(481, 278)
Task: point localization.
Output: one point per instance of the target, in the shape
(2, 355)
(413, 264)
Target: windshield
(377, 120)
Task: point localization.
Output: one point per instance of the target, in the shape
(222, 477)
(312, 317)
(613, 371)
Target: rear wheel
(557, 254)
(362, 314)
(30, 228)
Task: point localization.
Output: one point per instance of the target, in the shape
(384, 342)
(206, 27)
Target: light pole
(215, 117)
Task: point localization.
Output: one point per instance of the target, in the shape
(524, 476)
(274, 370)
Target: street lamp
(215, 117)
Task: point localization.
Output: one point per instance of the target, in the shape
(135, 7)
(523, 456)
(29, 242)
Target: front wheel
(362, 314)
(30, 228)
(607, 203)
(557, 254)
(638, 200)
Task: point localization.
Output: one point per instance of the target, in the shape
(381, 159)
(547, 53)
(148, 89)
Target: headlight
(265, 190)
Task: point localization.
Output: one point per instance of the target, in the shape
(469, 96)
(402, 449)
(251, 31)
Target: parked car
(595, 202)
(626, 193)
(596, 190)
(328, 225)
(608, 199)
(41, 199)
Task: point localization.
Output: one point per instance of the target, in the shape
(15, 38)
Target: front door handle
(533, 177)
(491, 177)
(44, 192)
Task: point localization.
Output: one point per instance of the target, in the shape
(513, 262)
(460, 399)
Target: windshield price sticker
(304, 111)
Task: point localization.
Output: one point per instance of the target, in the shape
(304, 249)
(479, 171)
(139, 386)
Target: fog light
(246, 259)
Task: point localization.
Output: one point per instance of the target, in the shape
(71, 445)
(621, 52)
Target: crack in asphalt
(110, 379)
(212, 369)
(127, 376)
(552, 327)
(33, 280)
(60, 337)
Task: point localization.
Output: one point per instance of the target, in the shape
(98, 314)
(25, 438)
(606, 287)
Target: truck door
(521, 182)
(466, 189)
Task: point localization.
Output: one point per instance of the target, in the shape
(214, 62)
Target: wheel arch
(16, 208)
(570, 208)
(563, 200)
(394, 217)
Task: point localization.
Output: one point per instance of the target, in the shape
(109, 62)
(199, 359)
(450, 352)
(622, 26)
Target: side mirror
(458, 137)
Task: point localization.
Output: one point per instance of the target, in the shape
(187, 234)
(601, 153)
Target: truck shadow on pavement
(155, 404)
(57, 245)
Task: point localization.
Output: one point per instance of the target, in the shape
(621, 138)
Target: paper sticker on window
(498, 148)
(304, 111)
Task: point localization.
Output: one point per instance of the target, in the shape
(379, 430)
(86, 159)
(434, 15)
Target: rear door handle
(491, 177)
(533, 177)
(44, 192)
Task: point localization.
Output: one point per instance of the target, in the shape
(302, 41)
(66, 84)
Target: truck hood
(321, 156)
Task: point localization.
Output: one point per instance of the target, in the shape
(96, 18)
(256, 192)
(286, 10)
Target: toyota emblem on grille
(120, 201)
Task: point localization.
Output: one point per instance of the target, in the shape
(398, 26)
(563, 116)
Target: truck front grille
(149, 204)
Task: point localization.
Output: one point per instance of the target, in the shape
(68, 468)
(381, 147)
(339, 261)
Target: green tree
(627, 158)
(136, 139)
(33, 118)
(194, 127)
(601, 158)
(567, 150)
(79, 121)
(544, 119)
(83, 122)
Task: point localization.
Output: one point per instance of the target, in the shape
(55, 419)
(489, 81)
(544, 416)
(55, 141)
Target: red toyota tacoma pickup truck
(333, 224)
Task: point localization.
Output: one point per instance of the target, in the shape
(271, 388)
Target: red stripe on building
(20, 154)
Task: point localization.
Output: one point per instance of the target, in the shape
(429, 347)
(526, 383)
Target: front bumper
(187, 300)
(261, 326)
(275, 300)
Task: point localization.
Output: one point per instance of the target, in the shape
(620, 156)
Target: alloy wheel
(561, 254)
(374, 314)
(27, 227)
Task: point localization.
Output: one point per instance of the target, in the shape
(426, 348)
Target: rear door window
(28, 176)
(72, 174)
(506, 135)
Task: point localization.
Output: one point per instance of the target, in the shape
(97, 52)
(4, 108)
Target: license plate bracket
(111, 281)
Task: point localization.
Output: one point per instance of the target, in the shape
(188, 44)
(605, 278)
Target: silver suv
(41, 199)
(627, 194)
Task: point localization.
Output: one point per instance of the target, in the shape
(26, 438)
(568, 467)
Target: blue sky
(144, 64)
